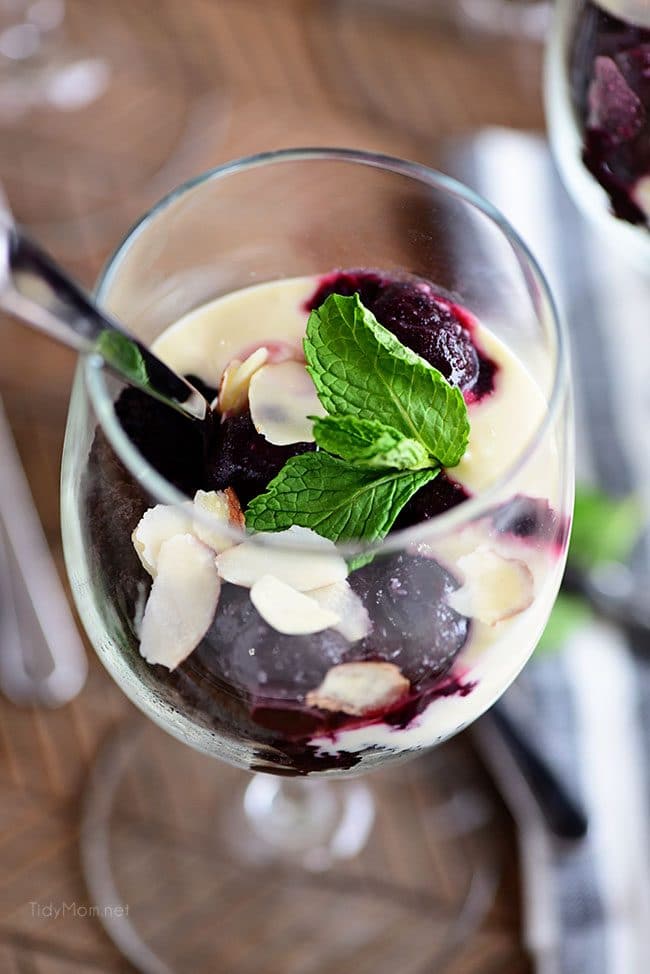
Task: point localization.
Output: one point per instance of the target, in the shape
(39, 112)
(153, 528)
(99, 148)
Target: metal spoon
(36, 290)
(42, 658)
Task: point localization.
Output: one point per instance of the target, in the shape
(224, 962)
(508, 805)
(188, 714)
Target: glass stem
(314, 820)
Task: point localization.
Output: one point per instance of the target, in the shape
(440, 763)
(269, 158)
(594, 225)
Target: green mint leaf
(360, 368)
(121, 352)
(336, 499)
(569, 613)
(369, 443)
(604, 528)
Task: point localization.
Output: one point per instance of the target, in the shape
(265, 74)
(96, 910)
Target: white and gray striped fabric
(586, 904)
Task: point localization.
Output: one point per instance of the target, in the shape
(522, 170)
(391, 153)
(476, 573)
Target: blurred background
(104, 107)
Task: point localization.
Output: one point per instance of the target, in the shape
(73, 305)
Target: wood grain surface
(193, 84)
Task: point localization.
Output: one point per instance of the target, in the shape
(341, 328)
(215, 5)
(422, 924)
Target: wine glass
(300, 214)
(598, 111)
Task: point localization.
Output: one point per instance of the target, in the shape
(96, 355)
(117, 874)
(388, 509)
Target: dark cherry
(367, 284)
(413, 626)
(243, 459)
(255, 658)
(429, 327)
(614, 109)
(435, 497)
(271, 673)
(426, 322)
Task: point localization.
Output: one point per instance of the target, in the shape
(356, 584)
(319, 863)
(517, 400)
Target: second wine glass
(598, 112)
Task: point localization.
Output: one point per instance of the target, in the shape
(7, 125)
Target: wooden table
(193, 84)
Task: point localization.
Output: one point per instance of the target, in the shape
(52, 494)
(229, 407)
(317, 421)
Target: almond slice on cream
(343, 600)
(157, 525)
(244, 564)
(233, 391)
(217, 511)
(281, 397)
(494, 588)
(289, 611)
(361, 688)
(182, 601)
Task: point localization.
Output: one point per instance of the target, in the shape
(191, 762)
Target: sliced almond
(233, 391)
(494, 588)
(360, 688)
(157, 525)
(182, 601)
(288, 610)
(218, 510)
(281, 397)
(246, 563)
(343, 600)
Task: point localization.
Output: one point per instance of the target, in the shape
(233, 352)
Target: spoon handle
(38, 292)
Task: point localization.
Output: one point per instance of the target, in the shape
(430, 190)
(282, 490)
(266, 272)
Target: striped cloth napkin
(587, 903)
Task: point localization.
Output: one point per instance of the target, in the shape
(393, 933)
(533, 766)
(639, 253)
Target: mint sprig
(335, 498)
(369, 443)
(360, 368)
(393, 422)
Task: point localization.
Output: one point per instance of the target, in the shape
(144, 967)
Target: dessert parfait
(610, 86)
(599, 104)
(319, 595)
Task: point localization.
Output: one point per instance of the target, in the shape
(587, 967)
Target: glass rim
(94, 373)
